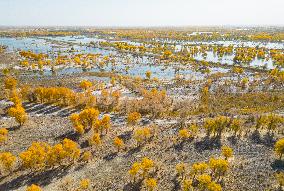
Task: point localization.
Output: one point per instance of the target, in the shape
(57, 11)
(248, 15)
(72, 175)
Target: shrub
(141, 168)
(236, 125)
(216, 125)
(279, 148)
(135, 168)
(280, 179)
(71, 149)
(146, 165)
(10, 83)
(85, 184)
(142, 135)
(151, 184)
(199, 168)
(7, 161)
(3, 135)
(227, 152)
(95, 139)
(19, 113)
(133, 118)
(88, 117)
(85, 84)
(214, 187)
(148, 74)
(33, 187)
(118, 143)
(105, 123)
(187, 185)
(203, 181)
(35, 156)
(180, 169)
(218, 167)
(87, 155)
(183, 134)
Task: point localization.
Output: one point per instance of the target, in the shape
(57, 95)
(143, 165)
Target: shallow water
(137, 66)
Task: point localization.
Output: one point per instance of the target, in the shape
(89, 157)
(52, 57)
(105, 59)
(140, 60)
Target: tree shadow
(14, 128)
(126, 136)
(176, 183)
(133, 186)
(51, 109)
(268, 139)
(110, 156)
(208, 144)
(133, 150)
(36, 108)
(233, 139)
(67, 112)
(278, 165)
(28, 105)
(255, 137)
(41, 178)
(69, 135)
(179, 146)
(84, 144)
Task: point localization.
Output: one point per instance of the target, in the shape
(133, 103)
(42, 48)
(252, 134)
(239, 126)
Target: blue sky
(141, 12)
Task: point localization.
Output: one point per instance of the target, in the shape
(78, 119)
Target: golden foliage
(133, 118)
(118, 143)
(85, 184)
(227, 152)
(33, 187)
(87, 156)
(180, 169)
(40, 155)
(19, 113)
(142, 135)
(218, 166)
(3, 135)
(7, 161)
(85, 84)
(279, 148)
(142, 169)
(216, 125)
(151, 184)
(95, 139)
(183, 134)
(10, 83)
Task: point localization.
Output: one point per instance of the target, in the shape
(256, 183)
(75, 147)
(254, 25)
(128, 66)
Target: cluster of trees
(277, 76)
(144, 171)
(17, 110)
(248, 54)
(142, 135)
(202, 175)
(41, 155)
(154, 102)
(189, 132)
(269, 122)
(88, 119)
(34, 61)
(36, 32)
(217, 125)
(277, 56)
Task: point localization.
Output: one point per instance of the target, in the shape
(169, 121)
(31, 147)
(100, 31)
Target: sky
(141, 12)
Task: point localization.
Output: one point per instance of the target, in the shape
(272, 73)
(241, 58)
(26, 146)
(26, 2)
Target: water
(136, 66)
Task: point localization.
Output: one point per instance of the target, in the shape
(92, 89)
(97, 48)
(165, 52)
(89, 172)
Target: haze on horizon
(140, 12)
